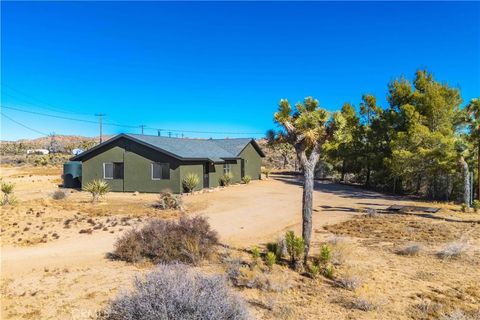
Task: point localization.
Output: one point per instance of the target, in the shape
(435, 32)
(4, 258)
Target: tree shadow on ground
(340, 190)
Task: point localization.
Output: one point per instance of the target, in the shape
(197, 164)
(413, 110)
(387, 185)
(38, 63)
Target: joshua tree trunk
(466, 182)
(308, 164)
(307, 204)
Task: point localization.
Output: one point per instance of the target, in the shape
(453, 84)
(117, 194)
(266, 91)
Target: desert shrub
(463, 207)
(279, 248)
(168, 200)
(7, 191)
(59, 195)
(187, 240)
(460, 315)
(97, 188)
(177, 292)
(242, 275)
(328, 272)
(270, 259)
(255, 254)
(371, 213)
(410, 250)
(266, 171)
(190, 182)
(363, 304)
(325, 254)
(295, 247)
(314, 270)
(453, 249)
(348, 282)
(246, 179)
(226, 179)
(476, 205)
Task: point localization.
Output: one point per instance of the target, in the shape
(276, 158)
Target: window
(113, 170)
(160, 171)
(227, 168)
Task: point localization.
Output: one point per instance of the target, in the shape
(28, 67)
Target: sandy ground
(56, 271)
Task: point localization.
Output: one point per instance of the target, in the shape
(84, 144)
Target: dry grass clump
(59, 195)
(400, 229)
(168, 200)
(349, 282)
(453, 249)
(189, 240)
(363, 304)
(177, 292)
(460, 315)
(410, 250)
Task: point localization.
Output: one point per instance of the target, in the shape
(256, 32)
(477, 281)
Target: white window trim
(104, 177)
(151, 170)
(227, 168)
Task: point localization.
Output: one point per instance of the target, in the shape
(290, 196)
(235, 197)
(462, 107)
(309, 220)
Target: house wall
(137, 161)
(253, 162)
(192, 167)
(216, 172)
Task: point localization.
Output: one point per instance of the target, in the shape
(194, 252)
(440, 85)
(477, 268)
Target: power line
(25, 126)
(132, 126)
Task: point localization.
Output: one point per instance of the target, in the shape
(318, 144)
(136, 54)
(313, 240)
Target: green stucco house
(143, 163)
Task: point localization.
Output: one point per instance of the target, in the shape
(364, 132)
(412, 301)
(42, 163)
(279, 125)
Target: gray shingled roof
(189, 148)
(215, 150)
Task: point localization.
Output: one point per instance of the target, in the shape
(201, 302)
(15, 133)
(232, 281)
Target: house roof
(215, 150)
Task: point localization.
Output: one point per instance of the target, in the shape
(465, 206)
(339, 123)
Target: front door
(242, 168)
(206, 174)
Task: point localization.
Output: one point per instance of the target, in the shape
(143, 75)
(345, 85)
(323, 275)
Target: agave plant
(246, 179)
(97, 188)
(190, 182)
(226, 179)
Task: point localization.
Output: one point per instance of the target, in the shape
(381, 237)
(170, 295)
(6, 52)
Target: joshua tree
(305, 127)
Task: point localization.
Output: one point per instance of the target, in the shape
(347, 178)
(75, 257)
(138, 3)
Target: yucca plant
(226, 179)
(190, 182)
(7, 190)
(97, 188)
(246, 179)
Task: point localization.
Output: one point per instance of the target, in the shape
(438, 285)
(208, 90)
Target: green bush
(226, 179)
(295, 247)
(255, 254)
(476, 205)
(97, 188)
(329, 272)
(463, 207)
(314, 270)
(270, 259)
(190, 182)
(325, 254)
(7, 190)
(246, 179)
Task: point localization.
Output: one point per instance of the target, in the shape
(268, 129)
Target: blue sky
(218, 67)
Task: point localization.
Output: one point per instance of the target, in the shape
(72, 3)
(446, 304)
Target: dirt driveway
(244, 215)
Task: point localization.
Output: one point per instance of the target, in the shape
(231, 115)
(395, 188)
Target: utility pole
(100, 115)
(142, 126)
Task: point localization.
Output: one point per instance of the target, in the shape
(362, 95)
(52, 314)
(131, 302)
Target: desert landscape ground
(55, 262)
